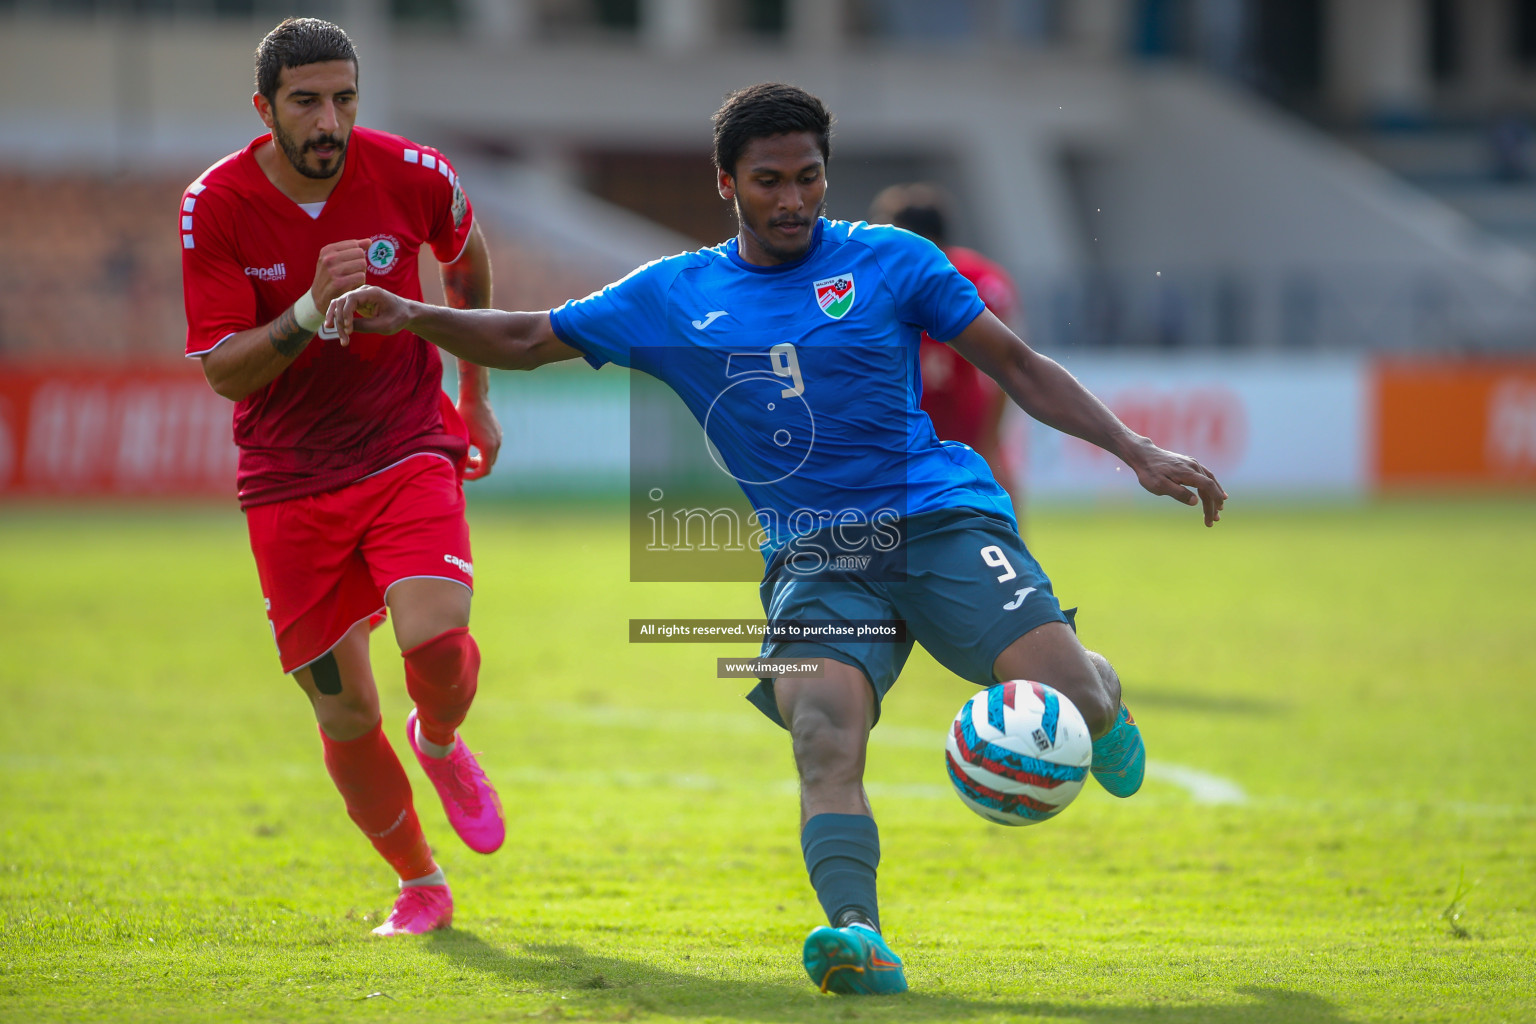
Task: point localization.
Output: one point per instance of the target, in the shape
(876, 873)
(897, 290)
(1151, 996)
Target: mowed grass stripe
(172, 850)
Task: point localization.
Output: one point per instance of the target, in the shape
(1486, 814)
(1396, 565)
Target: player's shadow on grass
(1204, 703)
(582, 985)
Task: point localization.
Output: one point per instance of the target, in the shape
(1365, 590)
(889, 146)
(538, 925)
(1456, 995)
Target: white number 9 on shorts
(993, 556)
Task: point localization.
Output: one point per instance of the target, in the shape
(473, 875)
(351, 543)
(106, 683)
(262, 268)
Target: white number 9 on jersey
(786, 363)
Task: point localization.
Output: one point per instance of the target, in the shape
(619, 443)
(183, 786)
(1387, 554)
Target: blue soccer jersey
(804, 375)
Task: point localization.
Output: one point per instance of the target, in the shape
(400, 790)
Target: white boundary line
(1202, 787)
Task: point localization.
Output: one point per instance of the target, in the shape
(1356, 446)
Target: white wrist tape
(308, 313)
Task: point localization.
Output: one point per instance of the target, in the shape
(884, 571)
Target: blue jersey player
(827, 440)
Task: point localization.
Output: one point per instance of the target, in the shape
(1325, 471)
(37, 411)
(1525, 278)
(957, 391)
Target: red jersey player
(350, 458)
(964, 404)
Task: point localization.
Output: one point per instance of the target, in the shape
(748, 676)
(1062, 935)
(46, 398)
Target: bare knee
(827, 751)
(1091, 696)
(1109, 683)
(1107, 675)
(829, 721)
(345, 715)
(340, 687)
(1051, 654)
(425, 608)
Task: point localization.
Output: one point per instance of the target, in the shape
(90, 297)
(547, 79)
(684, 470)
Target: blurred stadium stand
(1320, 187)
(1160, 174)
(86, 267)
(89, 267)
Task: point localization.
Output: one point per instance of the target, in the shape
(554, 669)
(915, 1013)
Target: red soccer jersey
(248, 252)
(957, 396)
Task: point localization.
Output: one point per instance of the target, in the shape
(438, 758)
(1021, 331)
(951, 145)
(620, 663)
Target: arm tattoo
(467, 286)
(464, 291)
(286, 336)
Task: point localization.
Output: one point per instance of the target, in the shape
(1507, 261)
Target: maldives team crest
(835, 295)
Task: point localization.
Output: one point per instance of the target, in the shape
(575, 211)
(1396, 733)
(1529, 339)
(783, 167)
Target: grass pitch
(1340, 823)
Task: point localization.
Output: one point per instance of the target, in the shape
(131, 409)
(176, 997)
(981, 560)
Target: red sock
(441, 676)
(378, 797)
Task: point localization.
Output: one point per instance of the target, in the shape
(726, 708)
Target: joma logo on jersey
(835, 295)
(276, 272)
(383, 251)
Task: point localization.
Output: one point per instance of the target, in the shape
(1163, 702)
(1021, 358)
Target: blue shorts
(969, 589)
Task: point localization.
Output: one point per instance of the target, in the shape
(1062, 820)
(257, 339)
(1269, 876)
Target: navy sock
(842, 852)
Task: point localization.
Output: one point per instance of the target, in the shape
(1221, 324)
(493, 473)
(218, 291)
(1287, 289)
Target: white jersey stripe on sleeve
(186, 242)
(428, 161)
(187, 204)
(194, 355)
(411, 156)
(463, 248)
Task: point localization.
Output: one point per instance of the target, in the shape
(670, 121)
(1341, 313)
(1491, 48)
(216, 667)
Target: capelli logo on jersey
(383, 253)
(276, 272)
(469, 570)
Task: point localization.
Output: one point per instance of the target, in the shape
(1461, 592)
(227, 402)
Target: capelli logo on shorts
(469, 570)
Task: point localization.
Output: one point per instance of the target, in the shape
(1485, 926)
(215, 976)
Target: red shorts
(327, 561)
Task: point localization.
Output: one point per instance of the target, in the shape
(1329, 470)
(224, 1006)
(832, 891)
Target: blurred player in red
(350, 459)
(965, 404)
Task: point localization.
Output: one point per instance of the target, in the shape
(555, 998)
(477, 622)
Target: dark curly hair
(295, 43)
(762, 111)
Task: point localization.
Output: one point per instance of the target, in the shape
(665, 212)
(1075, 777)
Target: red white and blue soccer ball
(1018, 753)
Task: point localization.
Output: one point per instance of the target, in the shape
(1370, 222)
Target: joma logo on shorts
(469, 570)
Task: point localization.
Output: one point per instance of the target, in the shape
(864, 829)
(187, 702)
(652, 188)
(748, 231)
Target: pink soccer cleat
(474, 809)
(419, 909)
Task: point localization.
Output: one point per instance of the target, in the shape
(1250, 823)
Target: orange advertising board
(86, 432)
(1455, 422)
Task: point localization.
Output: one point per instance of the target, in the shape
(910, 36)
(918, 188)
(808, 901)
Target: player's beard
(759, 232)
(296, 151)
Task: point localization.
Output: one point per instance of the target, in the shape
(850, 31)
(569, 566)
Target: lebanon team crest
(835, 295)
(383, 251)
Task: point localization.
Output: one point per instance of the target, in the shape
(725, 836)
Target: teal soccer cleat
(853, 961)
(1119, 758)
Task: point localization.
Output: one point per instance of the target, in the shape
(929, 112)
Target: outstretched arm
(489, 337)
(1050, 394)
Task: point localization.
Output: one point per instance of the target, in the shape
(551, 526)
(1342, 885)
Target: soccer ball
(1018, 753)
